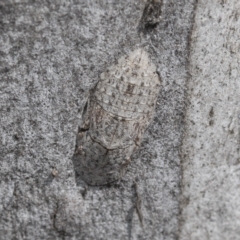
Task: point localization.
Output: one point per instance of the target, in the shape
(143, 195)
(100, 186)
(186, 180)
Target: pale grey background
(210, 153)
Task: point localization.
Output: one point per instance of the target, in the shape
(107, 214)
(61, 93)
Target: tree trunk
(210, 201)
(182, 182)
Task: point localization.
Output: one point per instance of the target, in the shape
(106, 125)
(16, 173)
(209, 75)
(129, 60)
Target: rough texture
(115, 118)
(51, 54)
(211, 176)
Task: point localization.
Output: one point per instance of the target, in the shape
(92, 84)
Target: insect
(115, 116)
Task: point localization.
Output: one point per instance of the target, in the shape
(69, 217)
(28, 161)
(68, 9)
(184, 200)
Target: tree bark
(210, 193)
(51, 55)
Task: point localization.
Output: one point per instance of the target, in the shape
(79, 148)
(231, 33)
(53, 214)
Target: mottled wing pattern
(118, 112)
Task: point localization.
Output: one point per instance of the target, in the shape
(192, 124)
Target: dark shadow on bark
(129, 219)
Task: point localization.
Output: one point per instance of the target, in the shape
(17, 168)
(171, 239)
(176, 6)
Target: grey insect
(118, 111)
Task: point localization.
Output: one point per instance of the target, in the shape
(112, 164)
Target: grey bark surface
(210, 151)
(51, 54)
